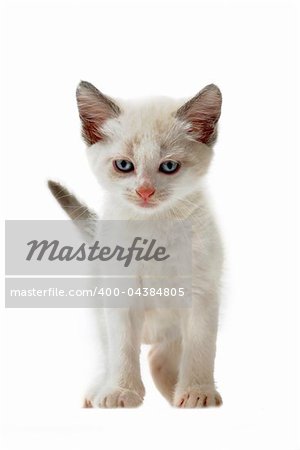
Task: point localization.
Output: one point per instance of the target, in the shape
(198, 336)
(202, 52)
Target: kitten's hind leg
(164, 359)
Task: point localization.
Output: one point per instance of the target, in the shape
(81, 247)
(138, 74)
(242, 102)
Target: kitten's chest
(173, 247)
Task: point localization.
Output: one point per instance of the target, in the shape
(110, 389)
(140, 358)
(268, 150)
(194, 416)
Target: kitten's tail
(76, 210)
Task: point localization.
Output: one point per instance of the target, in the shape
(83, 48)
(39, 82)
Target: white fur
(183, 340)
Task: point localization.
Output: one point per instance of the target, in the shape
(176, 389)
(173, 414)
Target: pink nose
(145, 192)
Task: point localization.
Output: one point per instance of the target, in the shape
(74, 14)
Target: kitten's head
(150, 154)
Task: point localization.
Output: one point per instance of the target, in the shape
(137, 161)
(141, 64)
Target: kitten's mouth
(148, 203)
(145, 204)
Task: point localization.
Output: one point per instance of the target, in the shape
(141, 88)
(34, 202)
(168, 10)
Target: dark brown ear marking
(202, 112)
(94, 109)
(69, 203)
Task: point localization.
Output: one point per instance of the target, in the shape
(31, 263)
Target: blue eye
(169, 167)
(122, 165)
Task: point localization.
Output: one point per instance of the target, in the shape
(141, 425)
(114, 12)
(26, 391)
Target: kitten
(150, 157)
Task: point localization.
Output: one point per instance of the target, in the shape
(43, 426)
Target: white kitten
(150, 158)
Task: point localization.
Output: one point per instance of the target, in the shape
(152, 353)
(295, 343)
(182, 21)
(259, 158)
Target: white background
(143, 49)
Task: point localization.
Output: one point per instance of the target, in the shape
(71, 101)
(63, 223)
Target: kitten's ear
(94, 109)
(202, 112)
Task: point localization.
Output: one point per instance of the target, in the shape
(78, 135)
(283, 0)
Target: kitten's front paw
(118, 398)
(199, 396)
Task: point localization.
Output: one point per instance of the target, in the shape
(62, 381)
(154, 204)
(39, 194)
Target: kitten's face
(149, 155)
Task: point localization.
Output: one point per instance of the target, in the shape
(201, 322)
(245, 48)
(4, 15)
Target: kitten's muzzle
(145, 192)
